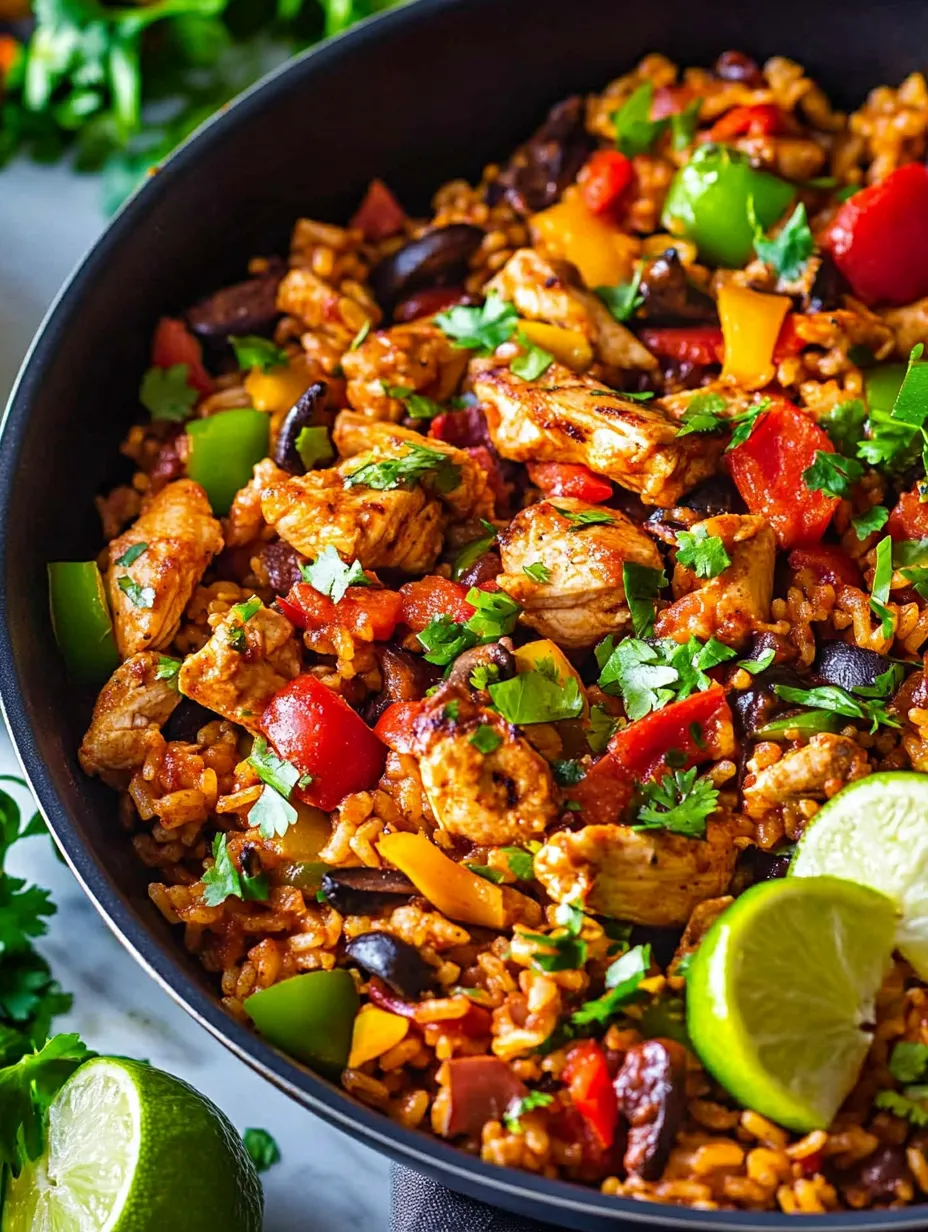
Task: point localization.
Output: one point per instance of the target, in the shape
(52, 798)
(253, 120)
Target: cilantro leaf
(586, 517)
(901, 1106)
(480, 329)
(642, 585)
(602, 728)
(417, 405)
(623, 300)
(487, 873)
(837, 700)
(313, 445)
(788, 252)
(703, 553)
(262, 1149)
(165, 394)
(26, 1090)
(641, 676)
(518, 1108)
(911, 404)
(223, 879)
(562, 952)
(760, 664)
(532, 697)
(567, 772)
(131, 554)
(472, 551)
(537, 572)
(745, 423)
(167, 668)
(22, 908)
(623, 980)
(870, 522)
(483, 675)
(242, 612)
(692, 659)
(844, 424)
(909, 1062)
(635, 131)
(444, 639)
(496, 614)
(703, 414)
(882, 581)
(412, 467)
(533, 362)
(892, 437)
(138, 596)
(272, 814)
(485, 739)
(329, 574)
(679, 802)
(832, 473)
(281, 775)
(254, 352)
(521, 862)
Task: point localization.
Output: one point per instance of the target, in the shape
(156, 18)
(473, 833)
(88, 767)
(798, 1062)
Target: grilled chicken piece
(355, 434)
(504, 796)
(584, 598)
(569, 418)
(732, 605)
(548, 291)
(417, 357)
(319, 306)
(180, 536)
(645, 876)
(132, 708)
(398, 529)
(909, 325)
(242, 665)
(245, 521)
(702, 917)
(814, 772)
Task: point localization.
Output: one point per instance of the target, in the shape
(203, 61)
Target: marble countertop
(325, 1182)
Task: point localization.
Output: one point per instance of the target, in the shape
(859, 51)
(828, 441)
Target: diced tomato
(394, 727)
(879, 240)
(464, 428)
(699, 728)
(309, 725)
(603, 179)
(172, 344)
(757, 120)
(10, 51)
(569, 479)
(369, 612)
(427, 303)
(909, 518)
(697, 344)
(587, 1077)
(788, 342)
(670, 100)
(828, 563)
(431, 597)
(767, 470)
(379, 215)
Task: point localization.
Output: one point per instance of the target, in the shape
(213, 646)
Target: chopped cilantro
(472, 551)
(901, 1106)
(329, 574)
(165, 394)
(602, 728)
(870, 522)
(703, 414)
(481, 329)
(484, 871)
(243, 612)
(518, 1108)
(485, 739)
(745, 423)
(788, 252)
(313, 445)
(533, 362)
(444, 639)
(679, 802)
(360, 336)
(533, 697)
(567, 772)
(703, 553)
(760, 664)
(272, 814)
(882, 581)
(642, 585)
(281, 775)
(167, 668)
(416, 464)
(586, 517)
(521, 862)
(566, 951)
(138, 596)
(832, 698)
(624, 299)
(131, 554)
(623, 980)
(635, 131)
(262, 1149)
(649, 675)
(637, 395)
(537, 572)
(483, 675)
(832, 473)
(223, 879)
(909, 1062)
(417, 405)
(254, 352)
(844, 424)
(452, 711)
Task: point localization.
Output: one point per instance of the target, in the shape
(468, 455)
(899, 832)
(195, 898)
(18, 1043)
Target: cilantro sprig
(518, 1108)
(563, 950)
(832, 473)
(623, 981)
(580, 520)
(26, 1090)
(648, 675)
(165, 394)
(223, 880)
(705, 554)
(444, 638)
(678, 802)
(787, 252)
(332, 576)
(481, 329)
(417, 464)
(625, 299)
(272, 813)
(417, 406)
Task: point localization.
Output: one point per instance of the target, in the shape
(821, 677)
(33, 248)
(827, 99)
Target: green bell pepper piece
(223, 451)
(304, 875)
(708, 203)
(310, 1016)
(882, 384)
(808, 722)
(81, 620)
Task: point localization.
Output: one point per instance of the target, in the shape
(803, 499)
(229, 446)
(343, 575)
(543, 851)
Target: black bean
(356, 891)
(300, 416)
(437, 259)
(186, 721)
(736, 66)
(540, 170)
(246, 308)
(396, 962)
(669, 296)
(848, 666)
(714, 495)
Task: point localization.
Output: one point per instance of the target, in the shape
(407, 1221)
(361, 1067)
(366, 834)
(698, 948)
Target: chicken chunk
(909, 325)
(168, 550)
(470, 497)
(583, 598)
(506, 795)
(246, 661)
(245, 521)
(547, 291)
(814, 772)
(399, 529)
(645, 876)
(732, 605)
(319, 306)
(569, 418)
(417, 357)
(132, 708)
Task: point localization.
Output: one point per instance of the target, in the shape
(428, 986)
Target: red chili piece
(758, 120)
(379, 215)
(828, 563)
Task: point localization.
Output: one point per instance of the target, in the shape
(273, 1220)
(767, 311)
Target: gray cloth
(422, 1205)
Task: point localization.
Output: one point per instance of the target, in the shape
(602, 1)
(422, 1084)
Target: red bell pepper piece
(569, 479)
(699, 728)
(879, 239)
(172, 344)
(426, 303)
(603, 179)
(828, 563)
(431, 597)
(757, 120)
(587, 1077)
(767, 470)
(379, 215)
(697, 344)
(909, 518)
(371, 613)
(788, 342)
(394, 727)
(311, 726)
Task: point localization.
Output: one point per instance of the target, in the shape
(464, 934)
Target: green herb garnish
(485, 739)
(679, 802)
(415, 465)
(703, 553)
(165, 394)
(138, 596)
(331, 576)
(788, 252)
(254, 352)
(481, 329)
(537, 572)
(642, 586)
(224, 881)
(635, 131)
(832, 473)
(131, 554)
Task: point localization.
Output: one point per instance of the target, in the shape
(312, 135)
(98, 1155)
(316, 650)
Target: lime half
(781, 990)
(131, 1149)
(875, 832)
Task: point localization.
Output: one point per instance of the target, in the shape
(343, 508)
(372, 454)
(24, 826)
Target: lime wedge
(875, 832)
(131, 1149)
(781, 990)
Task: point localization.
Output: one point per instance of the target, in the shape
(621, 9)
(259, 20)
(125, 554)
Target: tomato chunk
(431, 597)
(697, 344)
(379, 215)
(758, 120)
(311, 726)
(569, 479)
(909, 517)
(394, 727)
(767, 470)
(828, 563)
(370, 613)
(587, 1076)
(173, 343)
(604, 178)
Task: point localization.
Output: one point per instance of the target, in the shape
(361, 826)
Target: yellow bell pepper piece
(751, 322)
(308, 834)
(278, 388)
(453, 889)
(375, 1032)
(602, 253)
(568, 346)
(527, 658)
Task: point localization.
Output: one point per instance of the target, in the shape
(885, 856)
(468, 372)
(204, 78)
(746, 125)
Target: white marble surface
(326, 1182)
